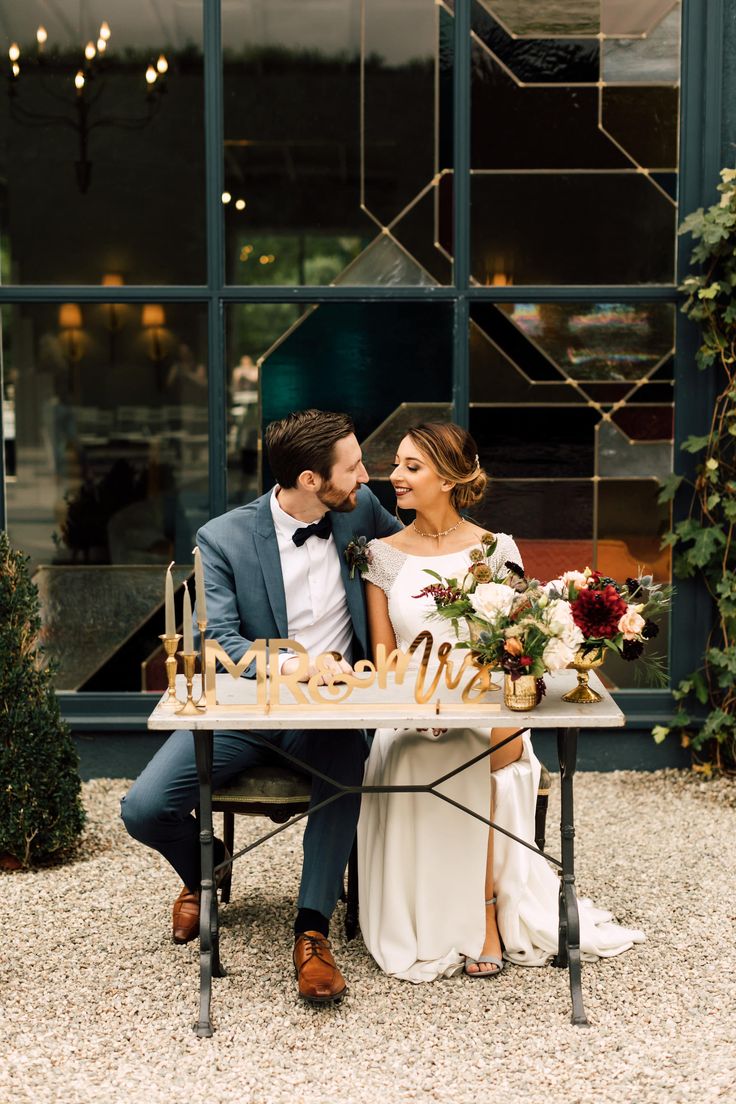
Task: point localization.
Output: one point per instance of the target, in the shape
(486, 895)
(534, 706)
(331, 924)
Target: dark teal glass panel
(383, 363)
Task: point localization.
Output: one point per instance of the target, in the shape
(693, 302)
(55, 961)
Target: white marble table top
(393, 707)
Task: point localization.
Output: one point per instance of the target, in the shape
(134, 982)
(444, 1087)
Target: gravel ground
(97, 1004)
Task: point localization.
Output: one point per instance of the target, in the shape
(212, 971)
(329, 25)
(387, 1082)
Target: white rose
(490, 600)
(558, 617)
(557, 655)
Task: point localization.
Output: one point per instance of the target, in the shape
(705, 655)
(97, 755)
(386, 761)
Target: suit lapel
(267, 549)
(342, 530)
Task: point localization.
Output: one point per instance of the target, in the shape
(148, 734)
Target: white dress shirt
(316, 606)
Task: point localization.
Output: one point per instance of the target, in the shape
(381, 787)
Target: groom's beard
(338, 501)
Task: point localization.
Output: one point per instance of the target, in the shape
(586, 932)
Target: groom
(275, 568)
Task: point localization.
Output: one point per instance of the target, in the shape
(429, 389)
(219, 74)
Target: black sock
(311, 920)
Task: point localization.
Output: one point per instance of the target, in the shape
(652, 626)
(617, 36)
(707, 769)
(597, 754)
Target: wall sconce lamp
(153, 320)
(114, 312)
(71, 341)
(70, 325)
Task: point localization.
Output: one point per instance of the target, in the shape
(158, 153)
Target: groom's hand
(330, 669)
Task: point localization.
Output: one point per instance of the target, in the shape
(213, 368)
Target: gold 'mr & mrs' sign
(328, 687)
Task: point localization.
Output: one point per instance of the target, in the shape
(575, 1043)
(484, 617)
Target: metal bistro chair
(278, 793)
(281, 792)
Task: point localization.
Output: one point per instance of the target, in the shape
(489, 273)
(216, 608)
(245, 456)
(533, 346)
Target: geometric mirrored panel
(572, 408)
(571, 352)
(326, 182)
(574, 142)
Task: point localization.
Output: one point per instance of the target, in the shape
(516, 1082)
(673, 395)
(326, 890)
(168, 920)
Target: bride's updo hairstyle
(453, 454)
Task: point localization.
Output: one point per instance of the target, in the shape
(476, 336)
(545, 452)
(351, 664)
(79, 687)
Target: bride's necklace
(443, 532)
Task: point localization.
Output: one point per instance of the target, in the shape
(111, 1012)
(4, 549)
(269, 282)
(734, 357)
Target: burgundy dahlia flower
(598, 612)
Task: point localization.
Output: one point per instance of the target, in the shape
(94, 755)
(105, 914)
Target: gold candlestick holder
(190, 707)
(171, 643)
(202, 625)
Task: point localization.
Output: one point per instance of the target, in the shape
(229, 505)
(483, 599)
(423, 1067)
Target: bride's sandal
(484, 958)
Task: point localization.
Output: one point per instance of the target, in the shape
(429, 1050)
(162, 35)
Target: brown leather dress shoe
(319, 978)
(185, 916)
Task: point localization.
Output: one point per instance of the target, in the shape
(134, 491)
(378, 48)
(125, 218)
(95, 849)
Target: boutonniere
(358, 556)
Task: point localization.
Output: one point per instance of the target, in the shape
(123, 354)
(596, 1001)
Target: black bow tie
(321, 528)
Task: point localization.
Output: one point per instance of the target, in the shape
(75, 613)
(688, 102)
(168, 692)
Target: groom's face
(340, 491)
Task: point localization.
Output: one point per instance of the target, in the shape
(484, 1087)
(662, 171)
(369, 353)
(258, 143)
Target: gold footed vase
(584, 662)
(520, 694)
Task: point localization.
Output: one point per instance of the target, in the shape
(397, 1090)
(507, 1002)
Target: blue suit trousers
(158, 810)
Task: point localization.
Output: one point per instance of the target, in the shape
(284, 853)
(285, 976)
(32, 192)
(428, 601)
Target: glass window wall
(102, 143)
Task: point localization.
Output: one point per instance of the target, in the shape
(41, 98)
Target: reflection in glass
(584, 127)
(655, 57)
(325, 181)
(599, 341)
(569, 352)
(120, 129)
(619, 455)
(111, 446)
(365, 358)
(554, 17)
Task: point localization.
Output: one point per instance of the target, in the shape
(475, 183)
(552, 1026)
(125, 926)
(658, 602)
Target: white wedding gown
(422, 862)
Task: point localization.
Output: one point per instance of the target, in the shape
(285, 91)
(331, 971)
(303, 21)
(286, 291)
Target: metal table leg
(209, 940)
(568, 948)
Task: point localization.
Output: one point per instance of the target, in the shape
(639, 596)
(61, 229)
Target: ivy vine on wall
(703, 542)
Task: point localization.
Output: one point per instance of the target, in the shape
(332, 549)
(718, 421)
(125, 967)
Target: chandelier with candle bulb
(87, 82)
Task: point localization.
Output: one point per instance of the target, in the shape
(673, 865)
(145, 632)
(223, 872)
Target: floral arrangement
(619, 616)
(525, 627)
(358, 555)
(512, 622)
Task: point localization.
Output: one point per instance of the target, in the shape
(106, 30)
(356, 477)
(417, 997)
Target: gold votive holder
(190, 707)
(171, 643)
(520, 694)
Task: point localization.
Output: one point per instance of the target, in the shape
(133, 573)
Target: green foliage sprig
(703, 542)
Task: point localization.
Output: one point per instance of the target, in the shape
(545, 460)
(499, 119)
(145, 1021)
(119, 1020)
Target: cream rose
(558, 617)
(631, 623)
(557, 655)
(491, 600)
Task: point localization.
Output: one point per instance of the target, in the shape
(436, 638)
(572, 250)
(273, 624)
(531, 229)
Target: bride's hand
(435, 731)
(329, 670)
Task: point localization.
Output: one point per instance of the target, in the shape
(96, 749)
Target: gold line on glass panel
(362, 110)
(437, 243)
(624, 151)
(639, 34)
(526, 84)
(436, 88)
(413, 202)
(287, 333)
(411, 257)
(566, 381)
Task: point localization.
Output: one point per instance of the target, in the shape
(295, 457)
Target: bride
(439, 892)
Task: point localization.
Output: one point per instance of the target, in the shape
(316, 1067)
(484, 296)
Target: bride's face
(416, 483)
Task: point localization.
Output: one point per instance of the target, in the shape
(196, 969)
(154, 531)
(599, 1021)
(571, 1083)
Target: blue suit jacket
(243, 580)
